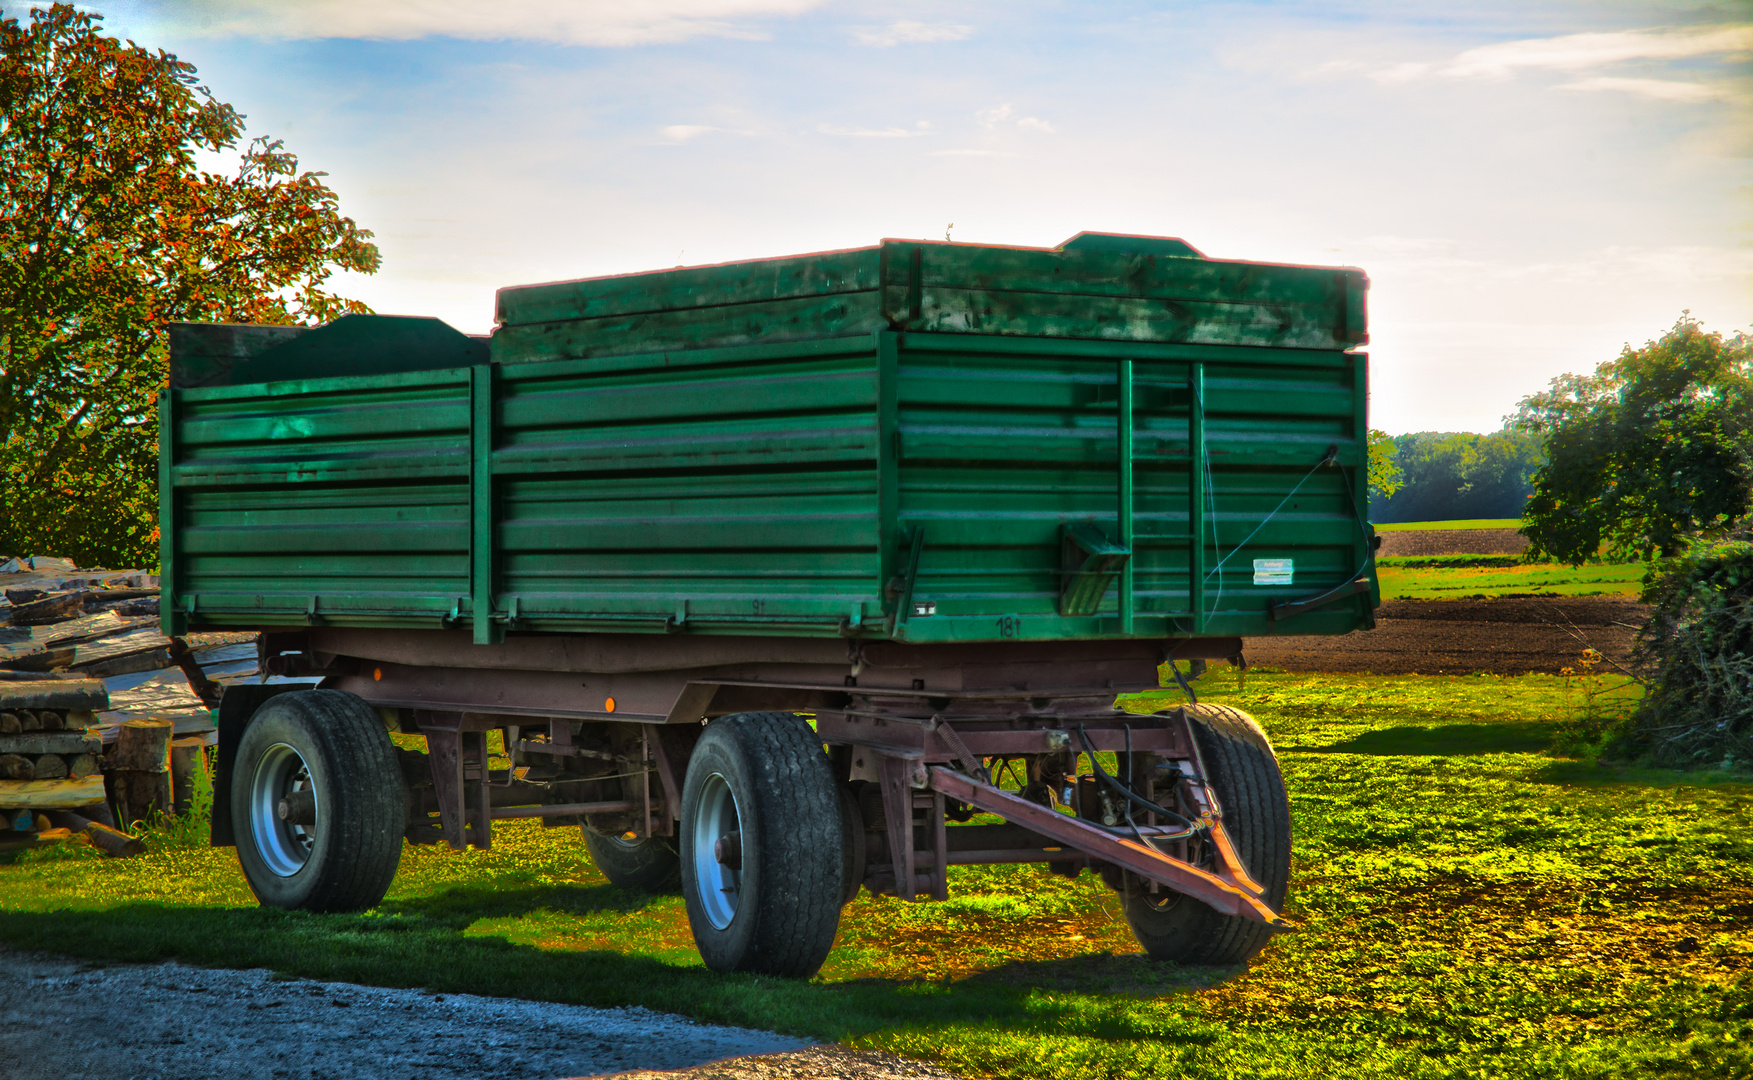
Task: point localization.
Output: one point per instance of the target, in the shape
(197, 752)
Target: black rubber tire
(788, 812)
(1243, 771)
(648, 866)
(362, 802)
(853, 853)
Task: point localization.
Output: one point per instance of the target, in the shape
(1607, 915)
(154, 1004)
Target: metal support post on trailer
(1123, 431)
(1196, 495)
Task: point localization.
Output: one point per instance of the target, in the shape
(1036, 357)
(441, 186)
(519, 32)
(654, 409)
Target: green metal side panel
(778, 449)
(342, 501)
(727, 490)
(1001, 448)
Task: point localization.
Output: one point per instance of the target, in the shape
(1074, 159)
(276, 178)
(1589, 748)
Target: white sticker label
(1274, 571)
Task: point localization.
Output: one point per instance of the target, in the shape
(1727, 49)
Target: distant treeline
(1448, 475)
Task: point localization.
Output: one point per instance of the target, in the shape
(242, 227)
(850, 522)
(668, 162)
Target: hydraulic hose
(1133, 796)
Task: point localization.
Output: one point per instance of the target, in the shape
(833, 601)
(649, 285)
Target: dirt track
(1453, 542)
(1508, 636)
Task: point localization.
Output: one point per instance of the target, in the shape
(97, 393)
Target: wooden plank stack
(50, 764)
(47, 752)
(64, 768)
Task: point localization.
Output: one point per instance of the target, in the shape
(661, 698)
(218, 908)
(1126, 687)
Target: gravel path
(65, 1020)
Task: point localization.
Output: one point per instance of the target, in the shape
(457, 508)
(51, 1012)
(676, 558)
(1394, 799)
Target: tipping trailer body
(947, 499)
(913, 442)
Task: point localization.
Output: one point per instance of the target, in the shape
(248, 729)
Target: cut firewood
(50, 767)
(50, 719)
(17, 767)
(28, 720)
(141, 795)
(52, 742)
(40, 660)
(205, 689)
(139, 769)
(188, 761)
(81, 765)
(143, 746)
(54, 693)
(9, 724)
(52, 794)
(51, 609)
(110, 841)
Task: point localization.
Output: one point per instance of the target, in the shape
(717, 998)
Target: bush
(1695, 655)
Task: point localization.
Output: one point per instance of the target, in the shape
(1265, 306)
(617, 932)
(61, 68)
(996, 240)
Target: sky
(1529, 185)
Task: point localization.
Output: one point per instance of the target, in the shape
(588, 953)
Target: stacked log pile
(75, 758)
(51, 781)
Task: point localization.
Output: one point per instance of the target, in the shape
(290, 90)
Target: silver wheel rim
(284, 847)
(716, 816)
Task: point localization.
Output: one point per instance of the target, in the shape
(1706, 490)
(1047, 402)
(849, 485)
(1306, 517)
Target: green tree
(109, 232)
(1650, 449)
(1457, 474)
(1385, 477)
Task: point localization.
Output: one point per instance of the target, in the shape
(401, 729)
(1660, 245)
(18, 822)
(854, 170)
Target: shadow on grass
(420, 943)
(1443, 740)
(461, 905)
(1606, 774)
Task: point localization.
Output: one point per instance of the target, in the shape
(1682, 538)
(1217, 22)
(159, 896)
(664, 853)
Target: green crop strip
(1455, 577)
(1471, 906)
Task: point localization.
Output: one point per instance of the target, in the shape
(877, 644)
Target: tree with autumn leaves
(109, 232)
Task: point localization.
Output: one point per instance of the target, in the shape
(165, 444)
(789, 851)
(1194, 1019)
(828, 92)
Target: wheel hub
(283, 810)
(718, 851)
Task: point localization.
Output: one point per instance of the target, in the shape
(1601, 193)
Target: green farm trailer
(782, 578)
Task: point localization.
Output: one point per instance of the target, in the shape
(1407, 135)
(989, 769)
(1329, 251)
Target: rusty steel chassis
(916, 724)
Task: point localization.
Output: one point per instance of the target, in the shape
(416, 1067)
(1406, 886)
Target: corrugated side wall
(1003, 442)
(723, 489)
(341, 500)
(778, 489)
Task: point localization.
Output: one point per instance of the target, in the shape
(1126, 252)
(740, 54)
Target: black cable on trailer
(1192, 698)
(1090, 749)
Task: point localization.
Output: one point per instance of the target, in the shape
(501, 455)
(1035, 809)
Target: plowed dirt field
(1510, 635)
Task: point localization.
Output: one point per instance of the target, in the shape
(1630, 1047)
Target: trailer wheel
(762, 846)
(1243, 771)
(317, 803)
(650, 865)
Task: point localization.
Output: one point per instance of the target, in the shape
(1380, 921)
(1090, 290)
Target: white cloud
(1001, 116)
(684, 132)
(994, 116)
(910, 33)
(1661, 89)
(875, 133)
(571, 22)
(1580, 52)
(1576, 53)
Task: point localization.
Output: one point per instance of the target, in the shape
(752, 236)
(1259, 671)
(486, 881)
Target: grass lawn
(1470, 907)
(1466, 523)
(1452, 577)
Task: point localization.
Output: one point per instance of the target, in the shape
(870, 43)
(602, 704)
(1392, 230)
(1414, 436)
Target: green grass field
(1470, 907)
(1468, 523)
(1450, 577)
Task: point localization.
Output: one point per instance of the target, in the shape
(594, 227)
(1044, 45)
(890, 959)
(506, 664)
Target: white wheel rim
(284, 847)
(716, 816)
